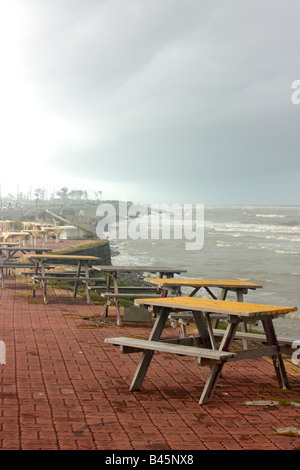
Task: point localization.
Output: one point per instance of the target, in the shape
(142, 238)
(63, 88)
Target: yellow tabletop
(20, 235)
(229, 284)
(52, 229)
(6, 223)
(240, 309)
(65, 257)
(34, 232)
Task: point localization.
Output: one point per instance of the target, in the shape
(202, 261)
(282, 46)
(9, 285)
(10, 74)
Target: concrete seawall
(99, 248)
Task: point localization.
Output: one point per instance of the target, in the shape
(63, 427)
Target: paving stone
(63, 388)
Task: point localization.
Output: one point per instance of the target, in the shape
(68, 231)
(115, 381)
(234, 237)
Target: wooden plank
(277, 357)
(65, 257)
(187, 341)
(16, 265)
(256, 337)
(216, 369)
(146, 358)
(149, 269)
(64, 278)
(127, 296)
(189, 316)
(163, 346)
(126, 288)
(228, 284)
(239, 309)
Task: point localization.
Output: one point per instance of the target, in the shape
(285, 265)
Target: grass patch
(82, 246)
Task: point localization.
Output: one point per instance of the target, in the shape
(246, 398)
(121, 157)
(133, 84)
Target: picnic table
(173, 287)
(6, 224)
(54, 230)
(81, 274)
(21, 236)
(204, 346)
(31, 225)
(35, 234)
(129, 292)
(8, 253)
(8, 258)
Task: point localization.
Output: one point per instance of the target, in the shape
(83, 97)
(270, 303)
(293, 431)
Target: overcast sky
(151, 100)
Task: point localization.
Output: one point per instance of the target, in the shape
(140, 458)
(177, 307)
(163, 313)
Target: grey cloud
(172, 93)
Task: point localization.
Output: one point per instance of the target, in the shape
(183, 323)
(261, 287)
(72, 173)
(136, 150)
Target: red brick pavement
(63, 388)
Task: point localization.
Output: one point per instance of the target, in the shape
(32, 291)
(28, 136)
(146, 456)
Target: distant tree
(40, 193)
(76, 194)
(63, 193)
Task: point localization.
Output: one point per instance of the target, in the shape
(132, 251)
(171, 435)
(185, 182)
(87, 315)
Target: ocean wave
(223, 244)
(251, 228)
(281, 237)
(272, 215)
(287, 252)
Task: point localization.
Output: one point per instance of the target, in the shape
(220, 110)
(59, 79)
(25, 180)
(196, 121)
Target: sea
(259, 244)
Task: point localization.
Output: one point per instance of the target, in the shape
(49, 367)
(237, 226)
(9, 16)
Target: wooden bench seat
(44, 280)
(50, 277)
(127, 289)
(256, 337)
(128, 296)
(239, 335)
(163, 346)
(16, 265)
(189, 316)
(9, 266)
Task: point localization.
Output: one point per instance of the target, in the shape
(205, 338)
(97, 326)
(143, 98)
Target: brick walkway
(63, 388)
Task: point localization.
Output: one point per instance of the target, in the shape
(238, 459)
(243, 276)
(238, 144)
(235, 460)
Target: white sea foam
(251, 228)
(283, 237)
(272, 215)
(287, 252)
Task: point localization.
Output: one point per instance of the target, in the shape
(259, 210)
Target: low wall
(99, 248)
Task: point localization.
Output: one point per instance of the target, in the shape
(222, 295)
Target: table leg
(222, 297)
(202, 328)
(44, 283)
(76, 283)
(37, 264)
(240, 298)
(105, 311)
(87, 291)
(145, 361)
(216, 369)
(2, 275)
(115, 281)
(44, 287)
(277, 358)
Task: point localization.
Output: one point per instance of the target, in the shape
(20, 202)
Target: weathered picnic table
(8, 258)
(21, 236)
(116, 293)
(6, 225)
(204, 346)
(9, 253)
(35, 234)
(81, 275)
(48, 230)
(173, 287)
